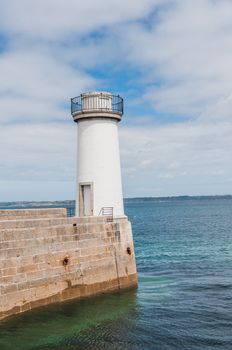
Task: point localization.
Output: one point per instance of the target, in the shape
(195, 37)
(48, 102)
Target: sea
(183, 300)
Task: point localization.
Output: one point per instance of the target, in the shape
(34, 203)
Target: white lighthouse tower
(99, 186)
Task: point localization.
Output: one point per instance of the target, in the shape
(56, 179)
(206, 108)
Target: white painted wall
(98, 162)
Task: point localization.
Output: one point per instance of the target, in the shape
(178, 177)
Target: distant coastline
(37, 204)
(71, 203)
(186, 197)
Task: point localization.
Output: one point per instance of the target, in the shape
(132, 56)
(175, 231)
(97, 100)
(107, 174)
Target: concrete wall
(34, 246)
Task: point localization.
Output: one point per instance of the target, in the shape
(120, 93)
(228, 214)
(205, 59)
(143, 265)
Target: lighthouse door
(86, 208)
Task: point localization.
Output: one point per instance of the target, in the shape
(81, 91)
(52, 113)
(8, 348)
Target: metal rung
(107, 212)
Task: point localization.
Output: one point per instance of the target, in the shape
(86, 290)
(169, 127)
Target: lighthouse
(99, 185)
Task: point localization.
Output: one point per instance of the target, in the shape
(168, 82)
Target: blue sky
(169, 59)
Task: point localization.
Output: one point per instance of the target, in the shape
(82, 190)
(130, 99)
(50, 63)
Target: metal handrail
(108, 212)
(70, 211)
(77, 105)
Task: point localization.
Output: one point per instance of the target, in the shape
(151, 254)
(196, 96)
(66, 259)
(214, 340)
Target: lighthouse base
(46, 257)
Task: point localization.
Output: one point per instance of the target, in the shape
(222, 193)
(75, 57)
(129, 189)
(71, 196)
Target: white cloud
(186, 158)
(52, 19)
(34, 86)
(180, 53)
(38, 152)
(46, 43)
(187, 52)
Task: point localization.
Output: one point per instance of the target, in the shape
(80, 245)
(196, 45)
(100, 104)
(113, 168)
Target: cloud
(185, 55)
(38, 152)
(55, 20)
(186, 158)
(170, 58)
(36, 86)
(49, 48)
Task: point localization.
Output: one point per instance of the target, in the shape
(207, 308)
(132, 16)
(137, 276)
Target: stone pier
(46, 257)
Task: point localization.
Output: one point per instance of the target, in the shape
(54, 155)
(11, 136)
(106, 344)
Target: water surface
(184, 299)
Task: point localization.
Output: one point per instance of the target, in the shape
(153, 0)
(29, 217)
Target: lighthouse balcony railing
(82, 104)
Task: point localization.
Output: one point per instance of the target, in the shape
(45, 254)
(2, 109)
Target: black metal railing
(97, 102)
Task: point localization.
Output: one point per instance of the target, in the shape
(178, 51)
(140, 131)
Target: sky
(171, 60)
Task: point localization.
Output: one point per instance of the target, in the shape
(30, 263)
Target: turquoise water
(184, 299)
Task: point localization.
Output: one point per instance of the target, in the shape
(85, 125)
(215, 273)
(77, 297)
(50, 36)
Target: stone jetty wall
(46, 257)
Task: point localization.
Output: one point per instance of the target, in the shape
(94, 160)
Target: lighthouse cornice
(96, 115)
